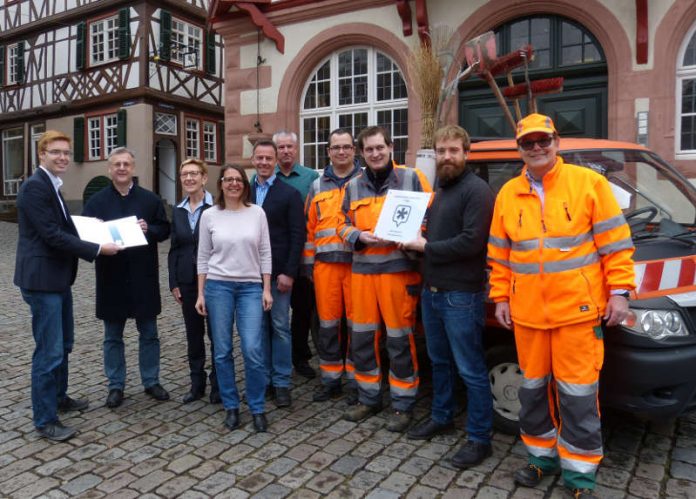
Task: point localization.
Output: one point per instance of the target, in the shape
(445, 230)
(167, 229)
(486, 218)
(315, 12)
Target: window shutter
(2, 66)
(210, 52)
(165, 35)
(81, 46)
(79, 139)
(124, 35)
(121, 119)
(20, 62)
(221, 141)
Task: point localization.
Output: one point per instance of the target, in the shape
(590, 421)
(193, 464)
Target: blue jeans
(54, 332)
(453, 322)
(148, 352)
(225, 301)
(277, 325)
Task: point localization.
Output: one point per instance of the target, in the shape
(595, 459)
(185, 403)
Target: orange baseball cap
(535, 123)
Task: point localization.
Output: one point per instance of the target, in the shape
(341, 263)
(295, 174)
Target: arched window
(352, 89)
(558, 42)
(686, 97)
(562, 47)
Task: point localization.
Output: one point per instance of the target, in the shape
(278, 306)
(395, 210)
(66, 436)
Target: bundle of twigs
(427, 72)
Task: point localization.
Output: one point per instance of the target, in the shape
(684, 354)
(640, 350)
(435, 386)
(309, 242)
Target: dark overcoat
(128, 282)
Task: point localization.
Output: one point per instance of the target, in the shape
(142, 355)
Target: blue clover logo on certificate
(401, 214)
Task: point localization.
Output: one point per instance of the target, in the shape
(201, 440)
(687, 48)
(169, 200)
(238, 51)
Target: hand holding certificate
(402, 215)
(125, 232)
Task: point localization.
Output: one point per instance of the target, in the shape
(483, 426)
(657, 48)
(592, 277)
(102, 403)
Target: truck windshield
(647, 188)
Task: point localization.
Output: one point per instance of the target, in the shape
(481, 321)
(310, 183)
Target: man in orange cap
(560, 252)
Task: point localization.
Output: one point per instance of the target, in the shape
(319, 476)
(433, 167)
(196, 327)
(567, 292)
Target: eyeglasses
(59, 152)
(232, 180)
(344, 148)
(528, 145)
(192, 174)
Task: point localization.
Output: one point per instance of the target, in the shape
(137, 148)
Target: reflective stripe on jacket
(324, 216)
(361, 208)
(557, 262)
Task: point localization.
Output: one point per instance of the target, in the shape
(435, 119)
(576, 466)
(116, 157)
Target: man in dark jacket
(128, 284)
(286, 224)
(453, 296)
(47, 251)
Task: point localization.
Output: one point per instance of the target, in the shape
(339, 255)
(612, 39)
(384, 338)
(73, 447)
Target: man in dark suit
(285, 213)
(183, 274)
(128, 284)
(46, 266)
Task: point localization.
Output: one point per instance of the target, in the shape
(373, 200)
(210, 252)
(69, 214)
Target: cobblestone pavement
(150, 449)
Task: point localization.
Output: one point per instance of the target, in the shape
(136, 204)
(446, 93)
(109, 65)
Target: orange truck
(649, 368)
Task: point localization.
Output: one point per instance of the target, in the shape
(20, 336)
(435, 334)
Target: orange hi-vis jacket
(324, 217)
(362, 206)
(557, 261)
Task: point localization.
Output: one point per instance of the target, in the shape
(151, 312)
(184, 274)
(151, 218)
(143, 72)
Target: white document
(402, 215)
(123, 231)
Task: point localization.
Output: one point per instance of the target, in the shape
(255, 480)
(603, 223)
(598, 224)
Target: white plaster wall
(296, 36)
(139, 139)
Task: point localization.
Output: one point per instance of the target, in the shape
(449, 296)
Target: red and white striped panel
(665, 277)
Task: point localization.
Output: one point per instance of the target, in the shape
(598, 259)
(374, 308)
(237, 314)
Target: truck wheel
(505, 377)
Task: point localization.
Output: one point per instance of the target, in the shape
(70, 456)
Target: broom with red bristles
(507, 63)
(534, 88)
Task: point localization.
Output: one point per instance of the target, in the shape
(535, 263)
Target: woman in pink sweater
(234, 281)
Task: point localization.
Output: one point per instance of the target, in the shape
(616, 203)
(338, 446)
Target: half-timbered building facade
(142, 74)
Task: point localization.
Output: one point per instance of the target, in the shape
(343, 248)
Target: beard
(449, 170)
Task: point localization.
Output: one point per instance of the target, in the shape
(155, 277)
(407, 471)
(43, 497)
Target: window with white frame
(102, 136)
(193, 137)
(103, 40)
(13, 61)
(201, 136)
(165, 123)
(353, 88)
(209, 142)
(686, 97)
(12, 160)
(187, 40)
(36, 132)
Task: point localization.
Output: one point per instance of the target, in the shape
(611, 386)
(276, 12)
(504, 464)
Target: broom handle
(500, 98)
(518, 112)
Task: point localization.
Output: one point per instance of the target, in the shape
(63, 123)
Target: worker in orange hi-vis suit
(560, 252)
(385, 284)
(328, 259)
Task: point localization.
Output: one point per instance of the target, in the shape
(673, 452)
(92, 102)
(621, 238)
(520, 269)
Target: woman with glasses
(234, 282)
(183, 274)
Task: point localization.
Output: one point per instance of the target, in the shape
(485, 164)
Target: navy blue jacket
(128, 282)
(183, 252)
(286, 225)
(48, 245)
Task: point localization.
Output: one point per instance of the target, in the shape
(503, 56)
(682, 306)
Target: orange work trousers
(559, 415)
(391, 299)
(332, 288)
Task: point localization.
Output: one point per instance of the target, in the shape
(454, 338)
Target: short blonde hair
(51, 136)
(202, 167)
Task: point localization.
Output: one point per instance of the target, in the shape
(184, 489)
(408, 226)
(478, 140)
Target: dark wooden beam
(642, 34)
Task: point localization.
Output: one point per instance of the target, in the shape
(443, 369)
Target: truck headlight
(655, 324)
